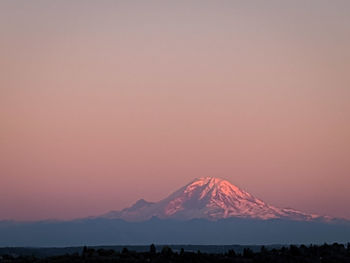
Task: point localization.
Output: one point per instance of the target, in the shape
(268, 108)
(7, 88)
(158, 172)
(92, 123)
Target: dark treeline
(336, 253)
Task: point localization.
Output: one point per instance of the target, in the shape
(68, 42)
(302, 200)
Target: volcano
(208, 198)
(206, 211)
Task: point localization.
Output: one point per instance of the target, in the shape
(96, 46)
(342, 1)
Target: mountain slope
(209, 198)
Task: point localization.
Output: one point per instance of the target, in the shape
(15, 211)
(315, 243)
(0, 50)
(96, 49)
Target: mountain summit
(210, 198)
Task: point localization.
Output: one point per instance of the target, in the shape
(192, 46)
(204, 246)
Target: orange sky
(105, 102)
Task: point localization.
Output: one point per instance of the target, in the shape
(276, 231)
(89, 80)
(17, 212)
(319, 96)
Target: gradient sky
(106, 102)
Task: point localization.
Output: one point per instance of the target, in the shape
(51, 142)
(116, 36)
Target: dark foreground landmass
(337, 253)
(95, 231)
(43, 252)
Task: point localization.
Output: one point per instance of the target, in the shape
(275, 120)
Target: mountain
(206, 211)
(208, 198)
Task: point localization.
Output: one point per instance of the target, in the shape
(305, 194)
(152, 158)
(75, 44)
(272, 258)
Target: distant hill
(102, 231)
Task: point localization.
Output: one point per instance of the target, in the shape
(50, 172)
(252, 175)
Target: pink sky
(106, 102)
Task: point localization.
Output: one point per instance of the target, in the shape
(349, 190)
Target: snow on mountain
(210, 198)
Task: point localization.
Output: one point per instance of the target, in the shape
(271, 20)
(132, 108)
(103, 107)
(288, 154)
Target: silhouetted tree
(152, 249)
(87, 252)
(84, 253)
(231, 253)
(248, 253)
(167, 251)
(125, 251)
(335, 253)
(294, 250)
(105, 252)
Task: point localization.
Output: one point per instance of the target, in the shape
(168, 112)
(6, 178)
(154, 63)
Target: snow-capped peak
(211, 198)
(216, 185)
